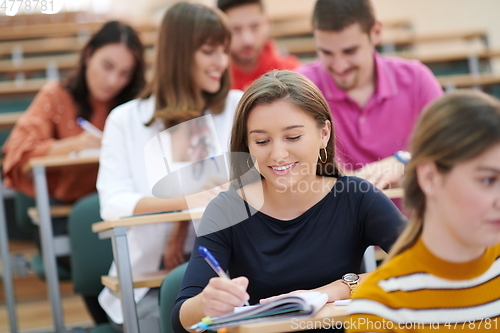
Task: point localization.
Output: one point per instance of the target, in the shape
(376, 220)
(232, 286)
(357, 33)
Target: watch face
(350, 277)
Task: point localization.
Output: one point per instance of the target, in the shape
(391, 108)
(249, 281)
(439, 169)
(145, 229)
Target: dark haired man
(252, 52)
(374, 100)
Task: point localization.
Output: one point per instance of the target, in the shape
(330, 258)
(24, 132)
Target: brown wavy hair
(184, 29)
(113, 32)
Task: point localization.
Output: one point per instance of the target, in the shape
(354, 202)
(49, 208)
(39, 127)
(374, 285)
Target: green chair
(21, 204)
(91, 257)
(168, 294)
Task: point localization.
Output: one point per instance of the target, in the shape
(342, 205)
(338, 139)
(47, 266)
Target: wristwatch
(402, 156)
(351, 280)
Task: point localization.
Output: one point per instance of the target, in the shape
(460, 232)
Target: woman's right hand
(221, 296)
(201, 199)
(86, 140)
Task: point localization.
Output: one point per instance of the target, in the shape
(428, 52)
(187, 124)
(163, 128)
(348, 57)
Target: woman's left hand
(272, 298)
(335, 291)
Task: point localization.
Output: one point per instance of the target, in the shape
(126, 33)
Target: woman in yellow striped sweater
(444, 271)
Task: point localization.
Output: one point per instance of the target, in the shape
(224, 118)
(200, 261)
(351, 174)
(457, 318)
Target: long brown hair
(184, 29)
(457, 127)
(272, 87)
(113, 32)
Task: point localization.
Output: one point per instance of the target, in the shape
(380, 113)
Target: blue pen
(210, 259)
(87, 126)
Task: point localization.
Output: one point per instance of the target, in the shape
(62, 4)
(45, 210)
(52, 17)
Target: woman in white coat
(190, 79)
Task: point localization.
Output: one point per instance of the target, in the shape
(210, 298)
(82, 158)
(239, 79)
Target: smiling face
(348, 55)
(465, 203)
(210, 62)
(109, 70)
(285, 142)
(250, 30)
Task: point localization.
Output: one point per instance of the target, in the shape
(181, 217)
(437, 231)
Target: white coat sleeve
(115, 184)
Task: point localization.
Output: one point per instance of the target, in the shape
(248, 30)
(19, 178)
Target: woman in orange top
(110, 72)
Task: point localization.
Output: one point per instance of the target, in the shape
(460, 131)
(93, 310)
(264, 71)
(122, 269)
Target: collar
(386, 85)
(453, 270)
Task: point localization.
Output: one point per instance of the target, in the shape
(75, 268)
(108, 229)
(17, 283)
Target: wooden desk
(59, 29)
(125, 281)
(40, 18)
(24, 88)
(42, 63)
(394, 193)
(329, 315)
(38, 166)
(60, 44)
(9, 119)
(468, 80)
(65, 61)
(55, 211)
(146, 280)
(305, 44)
(43, 45)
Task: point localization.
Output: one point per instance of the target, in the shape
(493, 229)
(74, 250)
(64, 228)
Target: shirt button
(362, 119)
(399, 142)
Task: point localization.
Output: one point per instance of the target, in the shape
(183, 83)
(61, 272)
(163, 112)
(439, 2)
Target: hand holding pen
(218, 288)
(88, 127)
(89, 138)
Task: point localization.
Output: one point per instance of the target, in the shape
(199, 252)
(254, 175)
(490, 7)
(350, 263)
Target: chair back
(91, 257)
(168, 294)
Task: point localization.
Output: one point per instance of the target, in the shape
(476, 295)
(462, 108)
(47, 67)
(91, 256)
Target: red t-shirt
(269, 60)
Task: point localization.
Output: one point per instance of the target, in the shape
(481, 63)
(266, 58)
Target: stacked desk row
(40, 52)
(459, 58)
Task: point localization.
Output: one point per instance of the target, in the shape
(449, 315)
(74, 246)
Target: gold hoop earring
(326, 155)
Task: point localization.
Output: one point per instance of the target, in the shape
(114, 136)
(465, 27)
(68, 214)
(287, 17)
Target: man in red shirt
(252, 52)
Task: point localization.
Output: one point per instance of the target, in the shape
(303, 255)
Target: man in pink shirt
(374, 100)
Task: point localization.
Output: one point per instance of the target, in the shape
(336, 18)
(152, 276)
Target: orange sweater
(50, 117)
(419, 292)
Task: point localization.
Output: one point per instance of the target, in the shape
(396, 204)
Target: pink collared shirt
(363, 135)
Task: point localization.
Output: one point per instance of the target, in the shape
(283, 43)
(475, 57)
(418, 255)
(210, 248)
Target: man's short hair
(225, 5)
(335, 15)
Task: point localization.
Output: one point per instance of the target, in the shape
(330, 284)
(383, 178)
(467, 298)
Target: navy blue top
(309, 251)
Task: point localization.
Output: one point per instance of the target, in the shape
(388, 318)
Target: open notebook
(300, 304)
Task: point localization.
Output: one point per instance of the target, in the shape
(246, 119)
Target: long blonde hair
(455, 128)
(184, 29)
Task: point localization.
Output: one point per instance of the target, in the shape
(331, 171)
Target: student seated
(191, 82)
(110, 72)
(302, 225)
(253, 53)
(443, 273)
(366, 92)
